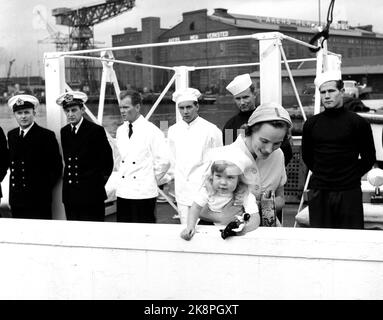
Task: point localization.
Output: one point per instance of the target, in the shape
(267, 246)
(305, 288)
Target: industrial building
(352, 42)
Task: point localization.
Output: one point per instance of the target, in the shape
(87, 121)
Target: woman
(261, 141)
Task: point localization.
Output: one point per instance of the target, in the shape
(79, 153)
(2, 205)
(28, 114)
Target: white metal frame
(270, 54)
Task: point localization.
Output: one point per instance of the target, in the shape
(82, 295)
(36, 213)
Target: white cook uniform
(190, 145)
(144, 158)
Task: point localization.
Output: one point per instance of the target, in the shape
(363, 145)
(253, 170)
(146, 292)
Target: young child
(224, 184)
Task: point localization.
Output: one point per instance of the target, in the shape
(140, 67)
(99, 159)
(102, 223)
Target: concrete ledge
(94, 260)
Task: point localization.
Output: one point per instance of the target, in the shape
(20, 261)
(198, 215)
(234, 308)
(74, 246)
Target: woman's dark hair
(134, 96)
(249, 130)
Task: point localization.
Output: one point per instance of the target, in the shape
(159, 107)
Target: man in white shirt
(190, 140)
(144, 162)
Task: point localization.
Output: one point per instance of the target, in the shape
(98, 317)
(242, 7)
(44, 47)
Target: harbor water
(163, 117)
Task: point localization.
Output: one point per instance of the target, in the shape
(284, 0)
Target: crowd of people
(218, 175)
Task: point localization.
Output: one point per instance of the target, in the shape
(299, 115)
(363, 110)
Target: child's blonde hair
(219, 167)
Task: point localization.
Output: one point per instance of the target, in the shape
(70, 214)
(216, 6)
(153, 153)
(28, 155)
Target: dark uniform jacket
(241, 118)
(36, 165)
(88, 161)
(4, 157)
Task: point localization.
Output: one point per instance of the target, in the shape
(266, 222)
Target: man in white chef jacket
(145, 159)
(190, 139)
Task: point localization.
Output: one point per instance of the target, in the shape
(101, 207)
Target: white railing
(270, 53)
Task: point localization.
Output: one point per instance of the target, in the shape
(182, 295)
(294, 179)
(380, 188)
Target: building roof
(283, 24)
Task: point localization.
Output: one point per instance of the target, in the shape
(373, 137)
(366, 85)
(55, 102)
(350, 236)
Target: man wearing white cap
(243, 92)
(190, 141)
(338, 147)
(88, 161)
(35, 162)
(145, 160)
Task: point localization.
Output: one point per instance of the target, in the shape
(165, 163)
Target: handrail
(120, 61)
(160, 44)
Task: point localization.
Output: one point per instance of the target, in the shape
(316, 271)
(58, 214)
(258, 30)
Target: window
(191, 26)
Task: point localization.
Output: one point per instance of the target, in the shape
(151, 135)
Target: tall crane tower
(82, 73)
(82, 20)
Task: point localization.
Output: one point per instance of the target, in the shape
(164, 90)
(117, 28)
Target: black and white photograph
(192, 156)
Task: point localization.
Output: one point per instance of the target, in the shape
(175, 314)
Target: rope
(325, 33)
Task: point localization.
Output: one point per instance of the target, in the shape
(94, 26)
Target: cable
(325, 33)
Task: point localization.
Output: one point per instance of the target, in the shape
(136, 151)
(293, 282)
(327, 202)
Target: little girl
(225, 183)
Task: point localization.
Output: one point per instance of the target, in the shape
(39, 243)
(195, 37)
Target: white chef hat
(22, 101)
(375, 177)
(333, 75)
(188, 94)
(232, 155)
(72, 98)
(239, 84)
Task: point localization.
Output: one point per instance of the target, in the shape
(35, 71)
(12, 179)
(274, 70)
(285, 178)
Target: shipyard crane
(60, 39)
(8, 75)
(81, 20)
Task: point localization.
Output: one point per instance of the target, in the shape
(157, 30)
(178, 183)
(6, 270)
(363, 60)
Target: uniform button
(13, 162)
(76, 158)
(69, 174)
(76, 166)
(76, 182)
(12, 169)
(123, 177)
(13, 184)
(69, 159)
(134, 177)
(69, 166)
(123, 161)
(134, 162)
(23, 185)
(22, 162)
(76, 174)
(70, 181)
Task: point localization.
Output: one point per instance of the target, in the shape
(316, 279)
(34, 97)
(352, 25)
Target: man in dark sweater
(242, 90)
(338, 147)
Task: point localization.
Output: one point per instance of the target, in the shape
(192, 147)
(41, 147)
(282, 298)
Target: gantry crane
(81, 20)
(60, 39)
(8, 75)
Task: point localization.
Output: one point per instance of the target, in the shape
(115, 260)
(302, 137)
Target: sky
(21, 29)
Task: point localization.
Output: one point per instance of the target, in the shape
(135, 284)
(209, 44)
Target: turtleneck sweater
(338, 147)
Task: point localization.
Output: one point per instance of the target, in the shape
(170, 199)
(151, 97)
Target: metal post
(182, 82)
(54, 86)
(270, 68)
(108, 75)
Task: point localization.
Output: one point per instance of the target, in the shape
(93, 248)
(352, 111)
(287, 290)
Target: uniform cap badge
(68, 97)
(19, 102)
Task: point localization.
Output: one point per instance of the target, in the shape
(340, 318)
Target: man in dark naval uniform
(4, 158)
(35, 162)
(242, 90)
(88, 161)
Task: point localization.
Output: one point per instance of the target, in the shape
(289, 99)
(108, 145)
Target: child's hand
(187, 234)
